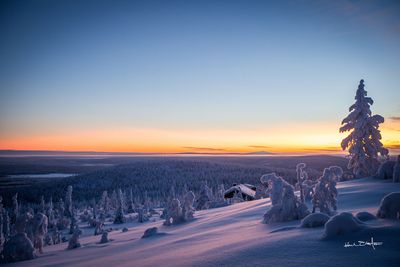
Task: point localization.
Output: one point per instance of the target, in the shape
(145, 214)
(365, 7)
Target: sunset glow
(294, 138)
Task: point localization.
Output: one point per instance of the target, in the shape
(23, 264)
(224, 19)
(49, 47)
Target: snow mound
(150, 232)
(341, 224)
(314, 220)
(365, 216)
(390, 206)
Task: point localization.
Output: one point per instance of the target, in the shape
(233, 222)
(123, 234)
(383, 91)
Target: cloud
(204, 148)
(395, 118)
(393, 146)
(259, 146)
(325, 149)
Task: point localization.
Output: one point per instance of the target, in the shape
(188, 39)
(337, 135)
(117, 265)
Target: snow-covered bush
(174, 214)
(341, 224)
(363, 141)
(314, 220)
(396, 171)
(385, 170)
(390, 206)
(325, 192)
(365, 216)
(285, 205)
(19, 247)
(74, 240)
(275, 187)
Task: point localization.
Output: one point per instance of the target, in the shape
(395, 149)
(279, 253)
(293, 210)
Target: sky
(194, 76)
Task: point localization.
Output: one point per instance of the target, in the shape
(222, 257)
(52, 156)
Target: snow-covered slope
(235, 236)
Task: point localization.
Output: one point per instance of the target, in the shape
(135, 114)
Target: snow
(234, 236)
(314, 220)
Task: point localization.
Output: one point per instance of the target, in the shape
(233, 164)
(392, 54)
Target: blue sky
(69, 66)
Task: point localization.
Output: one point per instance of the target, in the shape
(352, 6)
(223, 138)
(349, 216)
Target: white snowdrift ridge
(235, 236)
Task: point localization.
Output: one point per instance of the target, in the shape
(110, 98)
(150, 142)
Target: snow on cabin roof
(243, 188)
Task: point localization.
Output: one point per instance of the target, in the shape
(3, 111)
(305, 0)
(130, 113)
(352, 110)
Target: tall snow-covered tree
(363, 142)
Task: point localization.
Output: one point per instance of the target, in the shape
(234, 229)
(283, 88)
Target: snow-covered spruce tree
(119, 215)
(363, 141)
(325, 195)
(205, 196)
(131, 204)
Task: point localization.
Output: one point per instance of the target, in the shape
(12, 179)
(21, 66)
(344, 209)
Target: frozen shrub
(314, 220)
(341, 224)
(390, 206)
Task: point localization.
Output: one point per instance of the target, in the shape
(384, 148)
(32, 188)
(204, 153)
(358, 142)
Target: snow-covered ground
(235, 236)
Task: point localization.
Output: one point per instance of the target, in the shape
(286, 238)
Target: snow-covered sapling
(363, 142)
(325, 192)
(187, 208)
(205, 196)
(285, 205)
(174, 212)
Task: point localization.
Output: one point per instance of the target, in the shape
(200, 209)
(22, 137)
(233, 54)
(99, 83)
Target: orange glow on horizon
(293, 138)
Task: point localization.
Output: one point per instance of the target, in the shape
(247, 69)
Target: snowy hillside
(235, 236)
